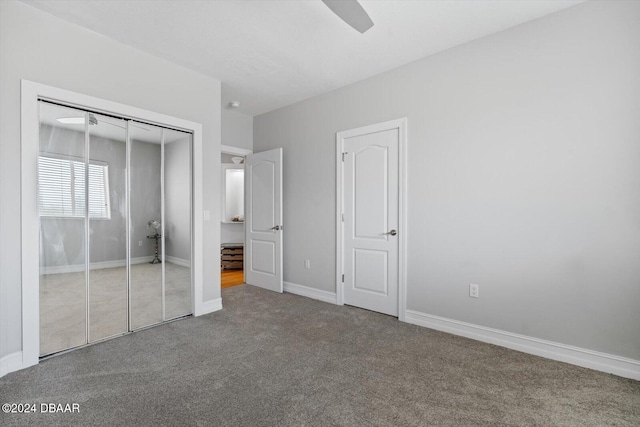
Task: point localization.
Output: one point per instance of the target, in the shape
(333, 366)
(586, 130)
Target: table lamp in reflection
(154, 227)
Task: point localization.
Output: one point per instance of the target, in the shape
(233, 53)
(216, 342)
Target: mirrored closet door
(114, 199)
(146, 224)
(107, 232)
(63, 228)
(177, 223)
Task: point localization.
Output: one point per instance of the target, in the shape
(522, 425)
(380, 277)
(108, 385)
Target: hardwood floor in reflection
(229, 278)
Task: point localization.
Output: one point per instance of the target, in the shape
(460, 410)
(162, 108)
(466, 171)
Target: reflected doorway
(232, 217)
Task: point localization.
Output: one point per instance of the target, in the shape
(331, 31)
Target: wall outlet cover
(474, 290)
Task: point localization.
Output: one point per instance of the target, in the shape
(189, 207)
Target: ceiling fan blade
(351, 12)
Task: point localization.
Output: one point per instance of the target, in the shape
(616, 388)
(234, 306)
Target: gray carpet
(279, 360)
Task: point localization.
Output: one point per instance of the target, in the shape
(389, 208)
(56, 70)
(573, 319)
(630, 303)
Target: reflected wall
(177, 222)
(107, 208)
(63, 272)
(145, 221)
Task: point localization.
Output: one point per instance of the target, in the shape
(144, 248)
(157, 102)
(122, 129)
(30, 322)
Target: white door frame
(401, 125)
(236, 151)
(229, 149)
(31, 92)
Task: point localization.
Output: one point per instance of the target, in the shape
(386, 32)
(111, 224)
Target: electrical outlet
(307, 263)
(474, 290)
(139, 242)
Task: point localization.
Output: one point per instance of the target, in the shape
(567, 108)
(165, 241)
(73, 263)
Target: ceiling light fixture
(234, 104)
(78, 120)
(71, 120)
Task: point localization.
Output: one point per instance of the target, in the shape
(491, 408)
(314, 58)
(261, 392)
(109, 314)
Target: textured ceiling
(269, 53)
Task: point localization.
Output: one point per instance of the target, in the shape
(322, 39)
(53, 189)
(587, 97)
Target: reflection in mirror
(107, 227)
(61, 160)
(145, 224)
(104, 204)
(177, 223)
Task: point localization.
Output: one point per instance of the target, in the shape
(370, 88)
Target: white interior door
(371, 214)
(263, 220)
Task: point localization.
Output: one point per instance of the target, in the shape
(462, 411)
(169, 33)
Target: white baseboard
(178, 261)
(78, 268)
(603, 362)
(140, 260)
(306, 291)
(10, 363)
(210, 306)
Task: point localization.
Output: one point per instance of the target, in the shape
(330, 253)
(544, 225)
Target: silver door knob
(392, 232)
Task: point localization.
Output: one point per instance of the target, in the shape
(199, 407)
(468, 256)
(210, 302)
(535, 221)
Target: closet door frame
(31, 93)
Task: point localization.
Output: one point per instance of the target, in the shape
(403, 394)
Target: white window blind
(61, 188)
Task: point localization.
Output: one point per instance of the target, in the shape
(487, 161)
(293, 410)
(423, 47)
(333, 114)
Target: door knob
(275, 227)
(392, 232)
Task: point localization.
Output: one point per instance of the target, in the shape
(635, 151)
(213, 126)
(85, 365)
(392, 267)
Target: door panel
(263, 196)
(263, 220)
(370, 271)
(370, 176)
(370, 191)
(263, 256)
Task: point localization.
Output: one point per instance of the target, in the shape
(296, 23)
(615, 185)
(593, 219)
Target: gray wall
(237, 131)
(39, 47)
(523, 176)
(108, 240)
(232, 233)
(146, 195)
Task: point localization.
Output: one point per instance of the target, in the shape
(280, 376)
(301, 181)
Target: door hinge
(342, 217)
(344, 154)
(343, 278)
